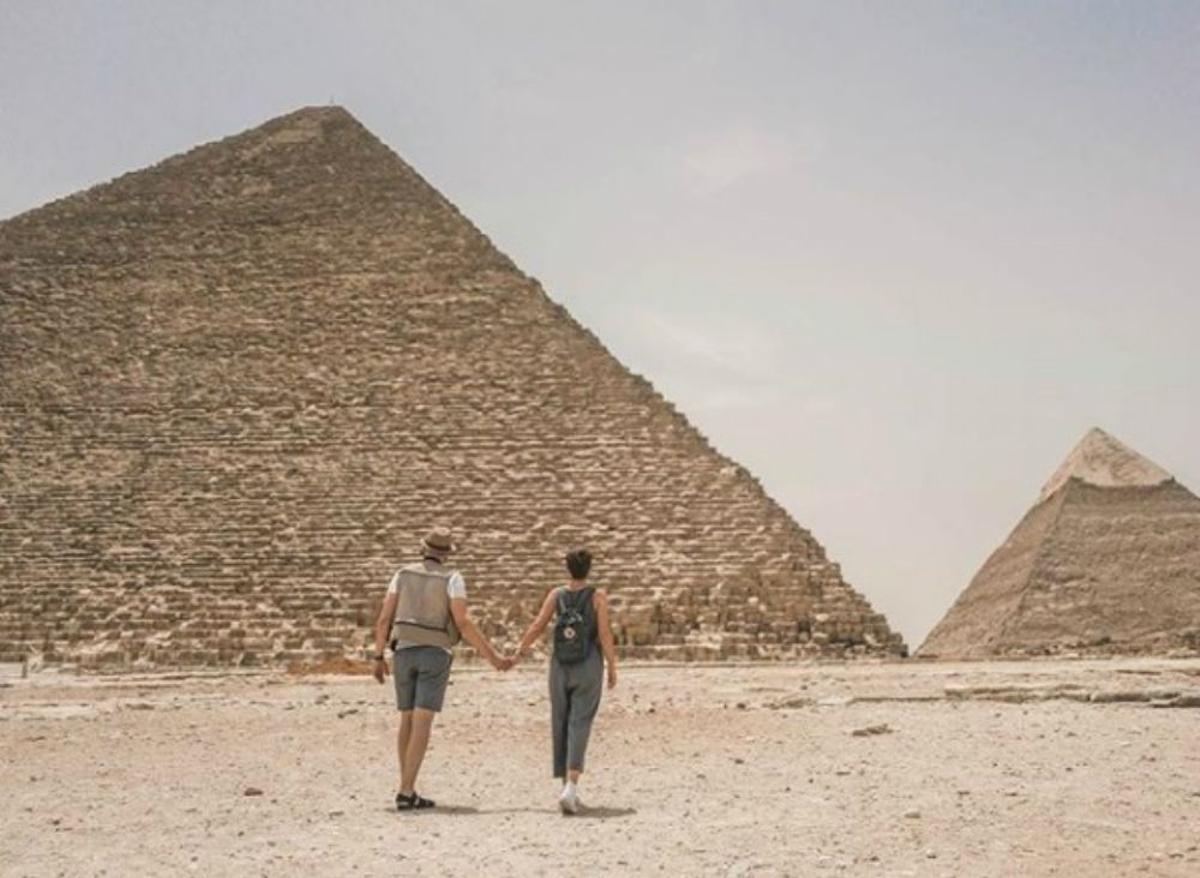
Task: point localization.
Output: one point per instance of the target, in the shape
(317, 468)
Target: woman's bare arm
(538, 625)
(607, 645)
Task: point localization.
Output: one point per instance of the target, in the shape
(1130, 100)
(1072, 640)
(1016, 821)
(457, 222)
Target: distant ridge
(240, 384)
(1106, 562)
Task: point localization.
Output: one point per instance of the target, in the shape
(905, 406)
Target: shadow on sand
(586, 813)
(603, 813)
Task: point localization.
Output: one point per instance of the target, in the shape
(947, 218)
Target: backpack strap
(579, 599)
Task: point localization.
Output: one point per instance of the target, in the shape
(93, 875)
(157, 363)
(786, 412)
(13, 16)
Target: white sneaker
(569, 802)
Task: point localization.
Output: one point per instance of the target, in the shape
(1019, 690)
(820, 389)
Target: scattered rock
(1190, 699)
(835, 701)
(866, 731)
(1018, 694)
(1131, 695)
(913, 814)
(252, 791)
(790, 703)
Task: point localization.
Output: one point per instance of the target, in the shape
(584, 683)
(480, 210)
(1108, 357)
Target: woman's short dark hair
(579, 562)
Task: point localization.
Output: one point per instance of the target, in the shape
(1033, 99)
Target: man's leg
(432, 668)
(414, 752)
(403, 736)
(404, 675)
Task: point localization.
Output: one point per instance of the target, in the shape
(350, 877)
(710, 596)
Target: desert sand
(900, 768)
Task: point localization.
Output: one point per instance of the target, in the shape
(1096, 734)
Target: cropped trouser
(574, 699)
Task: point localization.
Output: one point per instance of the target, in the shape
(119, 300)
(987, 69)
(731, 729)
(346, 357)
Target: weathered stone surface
(1107, 562)
(240, 384)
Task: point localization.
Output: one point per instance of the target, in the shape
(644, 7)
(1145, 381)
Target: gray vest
(423, 607)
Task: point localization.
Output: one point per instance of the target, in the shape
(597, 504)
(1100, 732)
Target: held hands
(506, 662)
(612, 677)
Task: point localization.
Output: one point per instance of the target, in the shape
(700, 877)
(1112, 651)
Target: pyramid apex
(304, 117)
(319, 110)
(1101, 459)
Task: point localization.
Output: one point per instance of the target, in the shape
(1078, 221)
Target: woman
(581, 633)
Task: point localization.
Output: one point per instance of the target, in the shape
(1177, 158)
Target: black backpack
(573, 630)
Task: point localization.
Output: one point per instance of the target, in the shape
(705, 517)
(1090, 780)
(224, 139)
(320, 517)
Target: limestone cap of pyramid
(304, 116)
(1102, 460)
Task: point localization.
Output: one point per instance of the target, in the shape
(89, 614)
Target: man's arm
(383, 625)
(473, 636)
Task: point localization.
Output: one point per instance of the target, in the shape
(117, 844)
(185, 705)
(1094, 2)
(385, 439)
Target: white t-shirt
(456, 587)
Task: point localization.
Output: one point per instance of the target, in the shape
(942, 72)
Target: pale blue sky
(894, 257)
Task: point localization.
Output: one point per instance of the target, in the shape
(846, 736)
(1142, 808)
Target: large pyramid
(1106, 562)
(240, 384)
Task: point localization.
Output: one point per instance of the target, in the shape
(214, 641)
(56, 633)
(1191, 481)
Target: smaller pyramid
(1106, 562)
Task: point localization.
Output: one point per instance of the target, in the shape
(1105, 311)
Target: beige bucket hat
(439, 541)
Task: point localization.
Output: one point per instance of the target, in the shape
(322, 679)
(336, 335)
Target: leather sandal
(412, 803)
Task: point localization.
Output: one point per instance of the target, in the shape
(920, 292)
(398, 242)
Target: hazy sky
(893, 257)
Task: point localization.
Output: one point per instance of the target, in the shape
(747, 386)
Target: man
(424, 612)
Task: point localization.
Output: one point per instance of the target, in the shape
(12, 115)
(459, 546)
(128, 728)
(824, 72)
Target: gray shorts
(421, 674)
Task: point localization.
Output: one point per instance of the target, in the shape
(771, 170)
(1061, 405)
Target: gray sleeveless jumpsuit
(574, 699)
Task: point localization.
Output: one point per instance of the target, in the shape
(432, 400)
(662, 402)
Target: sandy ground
(983, 769)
